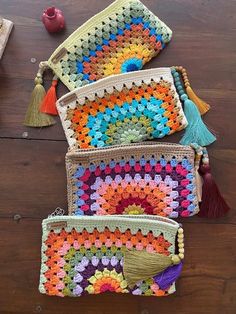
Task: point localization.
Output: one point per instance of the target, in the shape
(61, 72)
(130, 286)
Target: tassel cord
(43, 65)
(202, 106)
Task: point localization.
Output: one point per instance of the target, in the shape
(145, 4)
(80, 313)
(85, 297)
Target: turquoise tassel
(196, 131)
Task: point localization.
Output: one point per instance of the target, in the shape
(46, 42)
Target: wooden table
(32, 176)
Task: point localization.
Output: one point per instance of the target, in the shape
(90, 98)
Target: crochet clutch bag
(149, 178)
(131, 107)
(121, 38)
(92, 255)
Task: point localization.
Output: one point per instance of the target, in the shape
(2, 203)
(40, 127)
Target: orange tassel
(49, 102)
(203, 107)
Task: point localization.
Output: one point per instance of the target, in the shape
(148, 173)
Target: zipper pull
(57, 212)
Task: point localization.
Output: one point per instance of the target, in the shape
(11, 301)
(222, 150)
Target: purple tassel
(165, 279)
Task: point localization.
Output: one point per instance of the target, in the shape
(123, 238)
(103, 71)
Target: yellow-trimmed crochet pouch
(93, 255)
(151, 178)
(121, 38)
(133, 107)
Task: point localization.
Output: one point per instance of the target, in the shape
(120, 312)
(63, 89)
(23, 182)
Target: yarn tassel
(49, 102)
(196, 131)
(166, 278)
(141, 265)
(33, 117)
(213, 204)
(203, 107)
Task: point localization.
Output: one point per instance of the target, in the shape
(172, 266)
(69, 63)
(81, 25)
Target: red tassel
(49, 102)
(213, 205)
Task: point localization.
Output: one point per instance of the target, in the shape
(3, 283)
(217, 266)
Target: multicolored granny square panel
(121, 38)
(122, 109)
(81, 257)
(157, 179)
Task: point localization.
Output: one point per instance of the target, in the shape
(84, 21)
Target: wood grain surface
(32, 176)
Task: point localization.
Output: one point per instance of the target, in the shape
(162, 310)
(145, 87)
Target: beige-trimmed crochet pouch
(93, 255)
(121, 38)
(132, 107)
(148, 178)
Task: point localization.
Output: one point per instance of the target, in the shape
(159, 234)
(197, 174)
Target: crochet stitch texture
(85, 256)
(147, 178)
(122, 109)
(121, 38)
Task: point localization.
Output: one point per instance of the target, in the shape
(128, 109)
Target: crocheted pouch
(129, 107)
(121, 38)
(148, 178)
(92, 255)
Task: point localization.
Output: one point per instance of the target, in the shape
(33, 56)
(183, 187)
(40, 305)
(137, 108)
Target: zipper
(115, 147)
(58, 220)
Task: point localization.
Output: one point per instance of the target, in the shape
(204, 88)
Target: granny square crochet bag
(162, 179)
(134, 107)
(93, 255)
(121, 38)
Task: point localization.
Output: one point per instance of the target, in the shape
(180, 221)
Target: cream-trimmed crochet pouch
(93, 255)
(132, 107)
